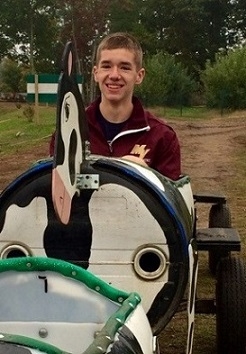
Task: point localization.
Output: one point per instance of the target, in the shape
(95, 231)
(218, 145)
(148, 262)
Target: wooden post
(36, 99)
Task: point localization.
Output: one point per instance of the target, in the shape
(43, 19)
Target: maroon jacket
(143, 135)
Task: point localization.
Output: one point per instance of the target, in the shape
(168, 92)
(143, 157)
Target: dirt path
(12, 166)
(208, 151)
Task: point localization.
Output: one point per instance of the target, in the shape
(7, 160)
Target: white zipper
(126, 132)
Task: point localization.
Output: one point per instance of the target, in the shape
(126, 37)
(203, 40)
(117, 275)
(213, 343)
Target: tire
(219, 216)
(231, 306)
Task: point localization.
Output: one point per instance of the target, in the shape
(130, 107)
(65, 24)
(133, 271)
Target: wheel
(231, 306)
(219, 216)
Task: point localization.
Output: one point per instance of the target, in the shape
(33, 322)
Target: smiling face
(116, 74)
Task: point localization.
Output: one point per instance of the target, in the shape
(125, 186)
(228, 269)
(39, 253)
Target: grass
(18, 129)
(193, 113)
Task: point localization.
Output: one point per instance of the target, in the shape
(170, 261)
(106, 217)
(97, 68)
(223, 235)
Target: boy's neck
(116, 113)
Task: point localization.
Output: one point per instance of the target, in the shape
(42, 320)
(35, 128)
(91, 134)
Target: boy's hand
(135, 159)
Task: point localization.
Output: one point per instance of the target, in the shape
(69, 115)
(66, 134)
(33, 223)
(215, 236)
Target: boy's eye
(125, 68)
(105, 66)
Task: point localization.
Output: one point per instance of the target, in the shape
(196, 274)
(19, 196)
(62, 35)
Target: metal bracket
(87, 181)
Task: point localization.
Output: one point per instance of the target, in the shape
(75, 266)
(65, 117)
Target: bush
(225, 80)
(166, 82)
(29, 113)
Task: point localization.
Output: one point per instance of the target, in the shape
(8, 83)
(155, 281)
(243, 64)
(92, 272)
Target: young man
(118, 124)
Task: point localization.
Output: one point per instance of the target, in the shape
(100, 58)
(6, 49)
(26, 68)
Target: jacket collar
(137, 119)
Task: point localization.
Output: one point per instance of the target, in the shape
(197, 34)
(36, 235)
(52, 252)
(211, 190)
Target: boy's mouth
(113, 86)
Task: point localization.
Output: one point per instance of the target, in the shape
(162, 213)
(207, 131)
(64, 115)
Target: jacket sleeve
(167, 159)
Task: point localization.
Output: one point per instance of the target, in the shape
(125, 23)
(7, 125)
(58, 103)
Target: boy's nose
(114, 73)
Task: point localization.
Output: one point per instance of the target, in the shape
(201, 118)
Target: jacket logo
(140, 150)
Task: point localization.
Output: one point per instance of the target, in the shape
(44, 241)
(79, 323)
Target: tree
(166, 82)
(30, 25)
(11, 76)
(192, 31)
(5, 46)
(128, 15)
(236, 25)
(34, 32)
(84, 22)
(225, 80)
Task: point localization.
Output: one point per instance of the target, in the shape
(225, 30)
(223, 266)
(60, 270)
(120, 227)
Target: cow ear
(68, 60)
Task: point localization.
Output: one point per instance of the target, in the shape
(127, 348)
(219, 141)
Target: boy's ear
(95, 73)
(140, 76)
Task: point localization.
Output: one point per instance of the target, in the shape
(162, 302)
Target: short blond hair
(121, 40)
